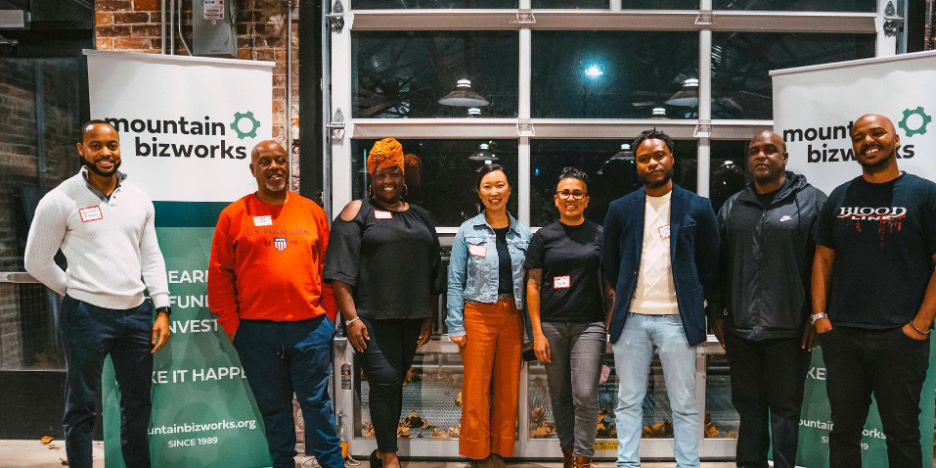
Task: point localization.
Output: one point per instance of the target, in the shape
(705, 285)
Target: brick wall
(25, 322)
(134, 26)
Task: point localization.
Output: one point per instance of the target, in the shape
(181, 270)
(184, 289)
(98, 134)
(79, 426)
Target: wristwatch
(815, 317)
(164, 310)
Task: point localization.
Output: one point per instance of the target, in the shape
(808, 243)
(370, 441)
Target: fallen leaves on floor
(46, 439)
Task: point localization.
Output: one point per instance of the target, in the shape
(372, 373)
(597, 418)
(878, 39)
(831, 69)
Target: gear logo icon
(236, 125)
(924, 121)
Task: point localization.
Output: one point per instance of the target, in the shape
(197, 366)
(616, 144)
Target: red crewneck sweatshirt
(266, 263)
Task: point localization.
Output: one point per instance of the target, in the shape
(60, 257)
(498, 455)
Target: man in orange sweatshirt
(265, 286)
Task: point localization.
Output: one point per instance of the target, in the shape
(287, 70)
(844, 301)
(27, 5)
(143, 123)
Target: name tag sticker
(477, 250)
(562, 282)
(91, 213)
(664, 232)
(380, 214)
(263, 221)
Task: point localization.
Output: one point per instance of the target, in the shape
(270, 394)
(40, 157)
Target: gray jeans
(575, 351)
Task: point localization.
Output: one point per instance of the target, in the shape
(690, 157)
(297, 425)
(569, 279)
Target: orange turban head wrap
(386, 153)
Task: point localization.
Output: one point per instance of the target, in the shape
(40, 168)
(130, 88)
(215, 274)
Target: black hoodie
(766, 260)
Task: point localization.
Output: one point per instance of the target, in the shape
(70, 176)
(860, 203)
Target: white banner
(187, 126)
(189, 120)
(815, 107)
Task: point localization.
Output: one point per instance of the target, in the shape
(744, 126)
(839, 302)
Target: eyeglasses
(576, 195)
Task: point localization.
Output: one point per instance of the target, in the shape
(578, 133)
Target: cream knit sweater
(110, 245)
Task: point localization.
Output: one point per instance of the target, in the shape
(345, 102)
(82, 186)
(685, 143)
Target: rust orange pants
(491, 384)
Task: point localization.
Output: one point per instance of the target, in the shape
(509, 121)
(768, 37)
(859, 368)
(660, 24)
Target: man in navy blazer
(661, 253)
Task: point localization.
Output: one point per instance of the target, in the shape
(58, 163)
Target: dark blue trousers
(281, 358)
(89, 334)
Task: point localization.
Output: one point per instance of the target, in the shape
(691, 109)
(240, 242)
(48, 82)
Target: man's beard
(655, 185)
(93, 168)
(276, 187)
(879, 164)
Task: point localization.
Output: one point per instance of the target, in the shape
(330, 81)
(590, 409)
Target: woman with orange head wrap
(385, 265)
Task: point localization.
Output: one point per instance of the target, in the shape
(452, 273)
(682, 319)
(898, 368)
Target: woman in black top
(385, 266)
(567, 308)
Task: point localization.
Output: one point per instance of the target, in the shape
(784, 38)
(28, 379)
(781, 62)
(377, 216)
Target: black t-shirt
(767, 198)
(505, 272)
(392, 260)
(570, 257)
(884, 236)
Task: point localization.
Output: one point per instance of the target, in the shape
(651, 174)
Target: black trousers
(888, 364)
(767, 380)
(386, 361)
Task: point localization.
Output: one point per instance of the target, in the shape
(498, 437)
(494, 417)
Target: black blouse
(391, 259)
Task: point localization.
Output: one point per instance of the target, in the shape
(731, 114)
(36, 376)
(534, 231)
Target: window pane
(442, 177)
(660, 4)
(405, 74)
(741, 85)
(542, 420)
(729, 170)
(721, 419)
(578, 5)
(611, 74)
(612, 173)
(427, 4)
(431, 399)
(796, 5)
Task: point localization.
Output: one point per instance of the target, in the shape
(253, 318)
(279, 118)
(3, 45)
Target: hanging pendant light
(484, 154)
(688, 96)
(463, 96)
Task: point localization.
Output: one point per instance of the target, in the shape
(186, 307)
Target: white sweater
(109, 245)
(656, 291)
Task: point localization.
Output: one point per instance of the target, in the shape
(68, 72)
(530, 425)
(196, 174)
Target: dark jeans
(89, 334)
(281, 358)
(888, 364)
(575, 351)
(767, 380)
(386, 361)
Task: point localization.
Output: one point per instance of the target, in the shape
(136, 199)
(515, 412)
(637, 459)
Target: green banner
(204, 414)
(816, 420)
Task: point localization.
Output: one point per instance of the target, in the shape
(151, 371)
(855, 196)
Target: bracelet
(349, 322)
(924, 333)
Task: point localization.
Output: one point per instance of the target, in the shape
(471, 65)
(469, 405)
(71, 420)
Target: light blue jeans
(633, 352)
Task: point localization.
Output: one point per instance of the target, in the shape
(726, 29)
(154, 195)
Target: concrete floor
(32, 454)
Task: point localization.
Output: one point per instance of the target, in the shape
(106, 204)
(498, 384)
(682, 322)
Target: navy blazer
(693, 251)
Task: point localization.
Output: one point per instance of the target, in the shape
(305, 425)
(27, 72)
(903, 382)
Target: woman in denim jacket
(485, 296)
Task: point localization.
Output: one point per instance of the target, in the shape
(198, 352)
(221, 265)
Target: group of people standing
(777, 266)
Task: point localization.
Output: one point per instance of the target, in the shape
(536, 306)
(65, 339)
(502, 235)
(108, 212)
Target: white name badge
(477, 250)
(562, 282)
(380, 214)
(664, 232)
(263, 221)
(91, 213)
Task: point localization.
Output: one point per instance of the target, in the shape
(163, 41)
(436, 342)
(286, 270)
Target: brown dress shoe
(567, 457)
(581, 461)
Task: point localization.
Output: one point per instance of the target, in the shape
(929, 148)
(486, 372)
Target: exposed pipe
(289, 68)
(172, 27)
(162, 26)
(41, 168)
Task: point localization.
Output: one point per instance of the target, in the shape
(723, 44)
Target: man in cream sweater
(104, 227)
(661, 253)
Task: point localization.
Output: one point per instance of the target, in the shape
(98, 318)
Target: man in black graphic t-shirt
(874, 296)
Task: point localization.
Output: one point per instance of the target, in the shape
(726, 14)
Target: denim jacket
(474, 279)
